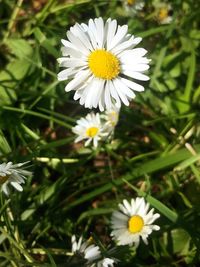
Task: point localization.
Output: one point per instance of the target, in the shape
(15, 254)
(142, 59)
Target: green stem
(12, 19)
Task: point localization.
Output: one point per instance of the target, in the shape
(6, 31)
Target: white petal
(64, 74)
(126, 45)
(120, 93)
(114, 94)
(17, 186)
(136, 75)
(121, 32)
(134, 86)
(112, 26)
(79, 33)
(100, 31)
(76, 41)
(77, 81)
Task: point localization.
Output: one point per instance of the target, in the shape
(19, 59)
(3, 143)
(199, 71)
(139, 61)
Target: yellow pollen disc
(3, 179)
(163, 14)
(130, 2)
(103, 64)
(135, 224)
(92, 131)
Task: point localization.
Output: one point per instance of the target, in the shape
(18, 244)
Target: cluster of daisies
(102, 66)
(162, 10)
(132, 222)
(96, 127)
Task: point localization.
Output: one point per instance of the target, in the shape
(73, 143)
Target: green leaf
(20, 48)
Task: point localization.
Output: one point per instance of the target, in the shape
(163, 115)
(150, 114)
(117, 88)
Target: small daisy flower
(13, 174)
(91, 253)
(102, 64)
(132, 6)
(90, 128)
(133, 221)
(111, 118)
(163, 13)
(107, 262)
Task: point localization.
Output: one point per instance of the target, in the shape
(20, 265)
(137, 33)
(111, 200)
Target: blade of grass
(37, 114)
(146, 168)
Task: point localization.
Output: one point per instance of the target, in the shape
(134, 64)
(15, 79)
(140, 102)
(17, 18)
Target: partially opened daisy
(111, 117)
(90, 253)
(101, 64)
(132, 6)
(133, 221)
(12, 174)
(90, 129)
(163, 13)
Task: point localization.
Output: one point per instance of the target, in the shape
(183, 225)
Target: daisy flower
(107, 262)
(90, 129)
(134, 220)
(132, 6)
(90, 253)
(163, 13)
(13, 174)
(102, 64)
(111, 118)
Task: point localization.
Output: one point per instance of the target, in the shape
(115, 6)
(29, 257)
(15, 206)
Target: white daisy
(133, 221)
(12, 174)
(89, 251)
(107, 262)
(163, 11)
(90, 128)
(132, 6)
(111, 118)
(101, 63)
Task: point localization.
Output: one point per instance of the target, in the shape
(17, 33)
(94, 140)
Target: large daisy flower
(102, 64)
(13, 174)
(134, 220)
(90, 129)
(90, 253)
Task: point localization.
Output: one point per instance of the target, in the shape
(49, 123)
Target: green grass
(154, 153)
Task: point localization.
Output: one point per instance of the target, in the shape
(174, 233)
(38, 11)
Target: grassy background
(155, 152)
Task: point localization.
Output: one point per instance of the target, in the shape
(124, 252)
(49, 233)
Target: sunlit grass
(155, 151)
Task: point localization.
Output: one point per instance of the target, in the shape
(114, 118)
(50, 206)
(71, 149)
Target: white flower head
(163, 11)
(111, 117)
(91, 253)
(101, 62)
(12, 174)
(106, 262)
(134, 220)
(132, 6)
(90, 129)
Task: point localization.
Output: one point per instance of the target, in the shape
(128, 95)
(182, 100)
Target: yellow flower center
(103, 64)
(135, 224)
(130, 2)
(92, 131)
(163, 14)
(3, 179)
